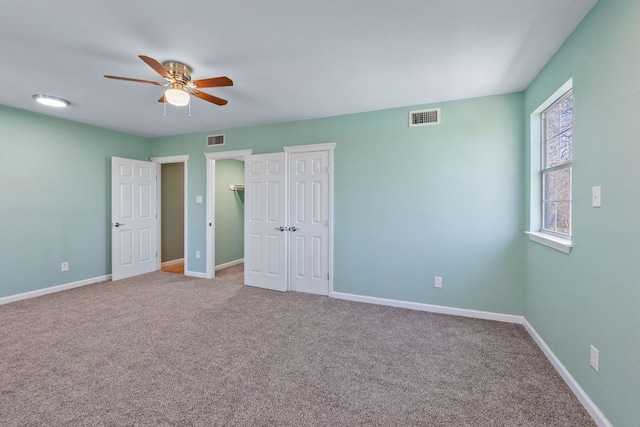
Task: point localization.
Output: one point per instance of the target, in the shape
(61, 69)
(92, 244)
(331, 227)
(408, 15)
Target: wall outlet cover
(437, 282)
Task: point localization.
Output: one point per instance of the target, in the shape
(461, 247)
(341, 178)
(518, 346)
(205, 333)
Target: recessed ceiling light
(51, 101)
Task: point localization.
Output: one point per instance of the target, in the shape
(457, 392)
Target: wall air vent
(215, 140)
(424, 117)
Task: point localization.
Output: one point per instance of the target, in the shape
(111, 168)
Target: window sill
(555, 242)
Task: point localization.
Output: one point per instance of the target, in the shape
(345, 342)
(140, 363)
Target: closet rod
(236, 187)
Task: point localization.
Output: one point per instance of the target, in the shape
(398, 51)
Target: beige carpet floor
(163, 349)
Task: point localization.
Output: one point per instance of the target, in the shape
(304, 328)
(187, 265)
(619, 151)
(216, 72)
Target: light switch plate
(198, 199)
(596, 196)
(594, 355)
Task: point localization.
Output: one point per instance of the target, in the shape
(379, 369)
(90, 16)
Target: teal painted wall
(592, 296)
(56, 199)
(229, 227)
(410, 203)
(172, 211)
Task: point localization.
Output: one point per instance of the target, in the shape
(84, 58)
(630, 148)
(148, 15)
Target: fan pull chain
(189, 107)
(164, 116)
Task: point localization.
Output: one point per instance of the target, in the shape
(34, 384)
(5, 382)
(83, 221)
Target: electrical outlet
(65, 266)
(197, 254)
(594, 355)
(437, 282)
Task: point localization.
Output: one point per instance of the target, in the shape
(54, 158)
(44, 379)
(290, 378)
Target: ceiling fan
(179, 83)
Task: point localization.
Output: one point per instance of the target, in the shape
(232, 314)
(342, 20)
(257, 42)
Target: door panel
(310, 219)
(265, 238)
(133, 217)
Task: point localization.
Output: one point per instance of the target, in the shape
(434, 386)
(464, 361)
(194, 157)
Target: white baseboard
(509, 318)
(229, 264)
(53, 289)
(172, 262)
(218, 267)
(196, 274)
(579, 392)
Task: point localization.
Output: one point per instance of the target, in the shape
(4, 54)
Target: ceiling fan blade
(156, 66)
(213, 82)
(207, 97)
(134, 80)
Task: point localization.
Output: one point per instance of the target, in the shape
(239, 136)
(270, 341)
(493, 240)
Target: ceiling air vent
(214, 140)
(424, 117)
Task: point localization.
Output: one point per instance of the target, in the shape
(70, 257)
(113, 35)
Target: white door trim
(330, 147)
(211, 203)
(162, 160)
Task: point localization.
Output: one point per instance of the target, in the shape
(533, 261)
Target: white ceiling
(289, 59)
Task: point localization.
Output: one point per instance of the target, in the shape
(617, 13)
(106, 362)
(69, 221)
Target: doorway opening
(172, 218)
(172, 214)
(229, 213)
(225, 209)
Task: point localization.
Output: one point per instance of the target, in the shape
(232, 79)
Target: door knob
(117, 224)
(279, 228)
(292, 228)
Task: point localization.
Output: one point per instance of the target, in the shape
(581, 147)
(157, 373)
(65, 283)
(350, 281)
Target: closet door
(265, 221)
(309, 222)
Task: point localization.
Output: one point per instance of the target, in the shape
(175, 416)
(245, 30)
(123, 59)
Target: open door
(133, 217)
(265, 221)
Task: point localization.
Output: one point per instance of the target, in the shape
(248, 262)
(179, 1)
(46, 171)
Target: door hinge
(327, 276)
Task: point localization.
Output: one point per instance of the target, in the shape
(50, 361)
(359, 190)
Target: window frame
(546, 169)
(536, 233)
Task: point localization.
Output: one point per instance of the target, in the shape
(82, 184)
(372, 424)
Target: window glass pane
(552, 118)
(562, 184)
(547, 186)
(559, 150)
(557, 217)
(566, 113)
(556, 185)
(549, 216)
(563, 217)
(556, 201)
(559, 117)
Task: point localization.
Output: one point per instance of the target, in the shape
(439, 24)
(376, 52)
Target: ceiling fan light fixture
(177, 97)
(51, 101)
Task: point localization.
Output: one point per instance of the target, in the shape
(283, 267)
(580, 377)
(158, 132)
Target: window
(557, 155)
(551, 171)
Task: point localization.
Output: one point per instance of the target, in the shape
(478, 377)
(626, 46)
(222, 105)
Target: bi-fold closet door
(287, 198)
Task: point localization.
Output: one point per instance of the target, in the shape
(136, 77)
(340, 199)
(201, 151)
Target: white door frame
(330, 147)
(211, 203)
(163, 160)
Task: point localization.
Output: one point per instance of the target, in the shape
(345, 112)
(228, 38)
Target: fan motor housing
(180, 72)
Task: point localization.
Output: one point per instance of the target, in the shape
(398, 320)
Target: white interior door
(265, 221)
(309, 222)
(133, 217)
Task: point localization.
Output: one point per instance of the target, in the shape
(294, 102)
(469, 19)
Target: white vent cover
(424, 117)
(213, 140)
